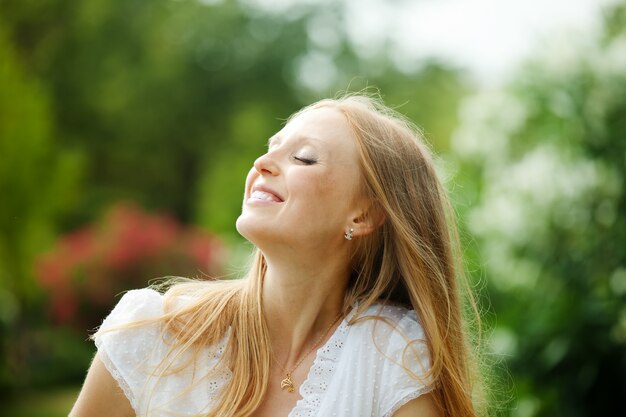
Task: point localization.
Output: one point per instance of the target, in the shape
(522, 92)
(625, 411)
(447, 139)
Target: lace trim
(314, 387)
(405, 399)
(110, 366)
(222, 375)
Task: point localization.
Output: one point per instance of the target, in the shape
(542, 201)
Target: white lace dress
(358, 372)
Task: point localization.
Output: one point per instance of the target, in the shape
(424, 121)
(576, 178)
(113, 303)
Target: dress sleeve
(129, 352)
(407, 362)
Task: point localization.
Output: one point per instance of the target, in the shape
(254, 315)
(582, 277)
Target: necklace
(287, 382)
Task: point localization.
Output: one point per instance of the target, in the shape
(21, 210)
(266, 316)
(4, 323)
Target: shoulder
(144, 305)
(132, 326)
(147, 361)
(391, 340)
(135, 305)
(130, 331)
(389, 326)
(391, 335)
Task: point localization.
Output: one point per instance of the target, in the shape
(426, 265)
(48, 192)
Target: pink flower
(64, 307)
(125, 249)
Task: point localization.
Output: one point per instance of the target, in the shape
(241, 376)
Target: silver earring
(348, 234)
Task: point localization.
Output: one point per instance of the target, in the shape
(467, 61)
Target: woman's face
(305, 189)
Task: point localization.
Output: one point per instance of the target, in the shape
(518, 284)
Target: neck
(301, 300)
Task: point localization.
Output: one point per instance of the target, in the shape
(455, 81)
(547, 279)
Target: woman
(351, 307)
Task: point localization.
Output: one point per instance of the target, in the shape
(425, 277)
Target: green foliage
(149, 89)
(51, 403)
(220, 199)
(37, 180)
(37, 183)
(546, 210)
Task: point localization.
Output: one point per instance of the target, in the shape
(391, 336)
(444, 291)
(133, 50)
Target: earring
(348, 234)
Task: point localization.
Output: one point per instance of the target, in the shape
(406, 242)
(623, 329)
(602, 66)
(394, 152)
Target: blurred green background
(127, 129)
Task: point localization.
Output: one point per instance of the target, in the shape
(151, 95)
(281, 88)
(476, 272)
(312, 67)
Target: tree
(148, 89)
(37, 183)
(550, 158)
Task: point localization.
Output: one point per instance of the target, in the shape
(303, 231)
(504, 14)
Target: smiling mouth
(264, 196)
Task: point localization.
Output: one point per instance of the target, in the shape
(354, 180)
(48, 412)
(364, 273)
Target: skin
(423, 406)
(101, 395)
(300, 198)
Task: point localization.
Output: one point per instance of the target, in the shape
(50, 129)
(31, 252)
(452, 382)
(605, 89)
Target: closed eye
(305, 161)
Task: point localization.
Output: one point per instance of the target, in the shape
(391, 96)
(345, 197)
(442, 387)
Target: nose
(265, 164)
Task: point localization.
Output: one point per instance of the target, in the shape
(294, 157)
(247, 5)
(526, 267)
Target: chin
(249, 228)
(260, 234)
(241, 225)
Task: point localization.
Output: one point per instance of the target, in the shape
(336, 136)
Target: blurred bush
(38, 184)
(88, 268)
(83, 275)
(542, 186)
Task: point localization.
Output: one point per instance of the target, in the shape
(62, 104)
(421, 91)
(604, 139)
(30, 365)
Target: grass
(53, 403)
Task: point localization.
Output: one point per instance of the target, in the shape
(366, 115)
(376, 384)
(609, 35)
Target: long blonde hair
(412, 259)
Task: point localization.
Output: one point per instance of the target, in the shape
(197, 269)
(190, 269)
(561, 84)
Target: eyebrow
(277, 137)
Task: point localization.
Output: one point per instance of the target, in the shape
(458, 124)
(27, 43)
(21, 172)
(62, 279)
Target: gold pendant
(287, 384)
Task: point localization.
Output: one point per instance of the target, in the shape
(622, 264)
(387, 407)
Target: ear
(367, 220)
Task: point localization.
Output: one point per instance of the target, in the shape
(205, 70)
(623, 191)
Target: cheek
(344, 183)
(327, 186)
(323, 193)
(329, 195)
(320, 187)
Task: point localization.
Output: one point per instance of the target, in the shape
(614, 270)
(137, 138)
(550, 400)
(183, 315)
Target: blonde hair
(412, 259)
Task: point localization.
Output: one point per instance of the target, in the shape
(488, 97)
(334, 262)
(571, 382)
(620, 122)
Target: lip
(265, 189)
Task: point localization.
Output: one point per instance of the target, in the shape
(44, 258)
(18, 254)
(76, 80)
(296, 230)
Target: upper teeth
(262, 195)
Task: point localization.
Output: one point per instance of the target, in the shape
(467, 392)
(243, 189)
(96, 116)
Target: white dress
(358, 372)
